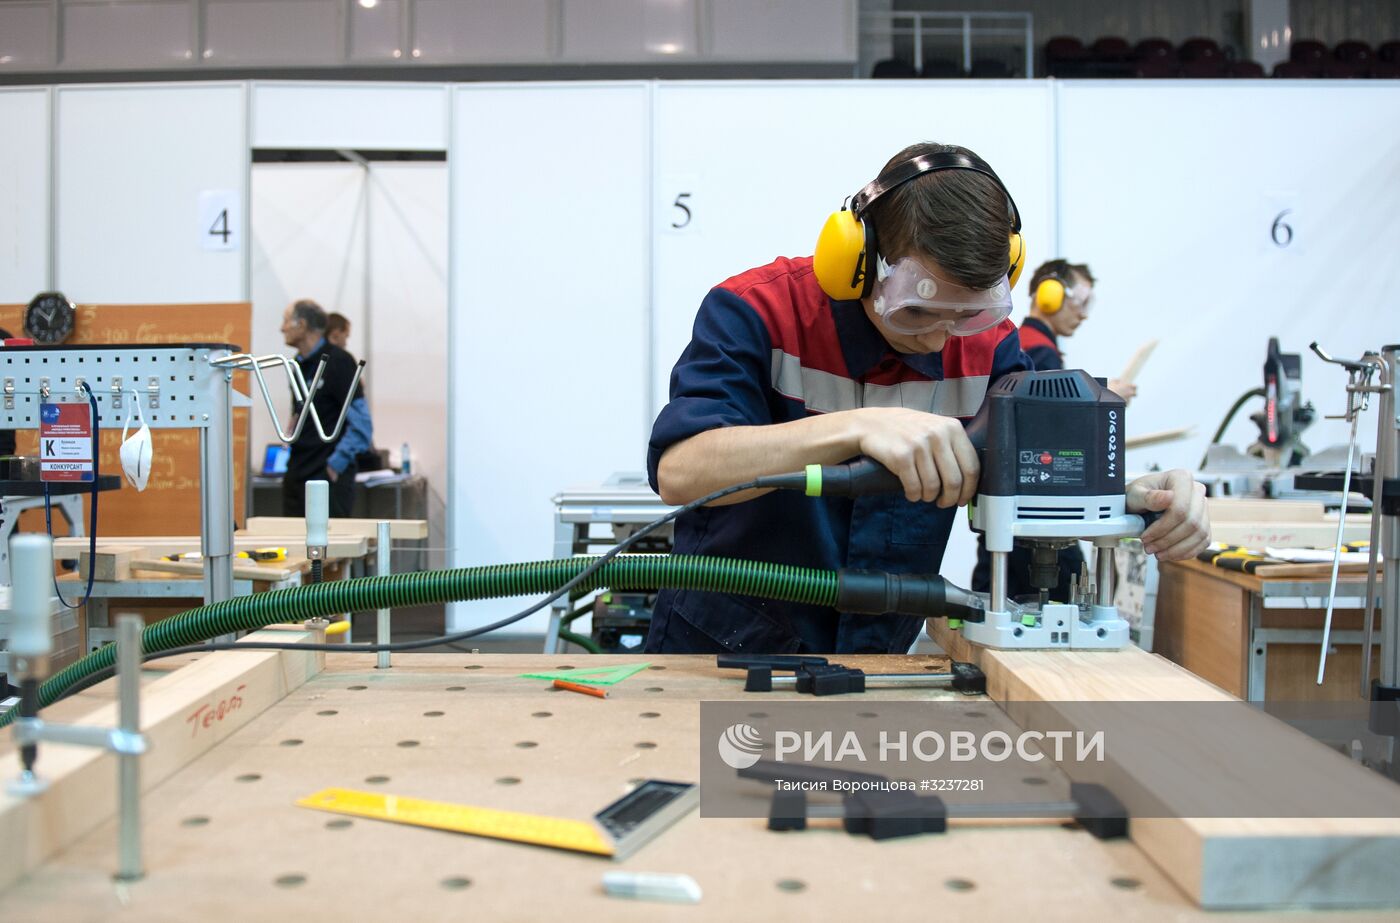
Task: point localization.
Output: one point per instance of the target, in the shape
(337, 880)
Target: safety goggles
(912, 301)
(1079, 299)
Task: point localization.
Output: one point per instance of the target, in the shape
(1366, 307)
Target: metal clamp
(116, 392)
(44, 390)
(9, 394)
(153, 391)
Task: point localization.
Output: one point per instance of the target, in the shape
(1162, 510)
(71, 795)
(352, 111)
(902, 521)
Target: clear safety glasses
(912, 301)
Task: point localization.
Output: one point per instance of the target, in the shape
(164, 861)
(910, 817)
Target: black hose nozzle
(922, 595)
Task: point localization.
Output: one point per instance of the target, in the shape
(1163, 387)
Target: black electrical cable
(92, 518)
(1229, 415)
(448, 639)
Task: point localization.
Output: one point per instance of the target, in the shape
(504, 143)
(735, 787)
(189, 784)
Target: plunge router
(1051, 447)
(1051, 451)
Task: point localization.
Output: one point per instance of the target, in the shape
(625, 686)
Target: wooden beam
(1221, 863)
(158, 546)
(243, 569)
(113, 562)
(183, 714)
(367, 528)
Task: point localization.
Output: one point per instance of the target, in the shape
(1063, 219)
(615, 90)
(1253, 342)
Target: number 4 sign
(219, 224)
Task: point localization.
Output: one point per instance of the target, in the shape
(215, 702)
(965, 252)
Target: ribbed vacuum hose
(626, 572)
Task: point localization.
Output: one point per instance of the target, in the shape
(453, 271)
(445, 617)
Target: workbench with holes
(238, 738)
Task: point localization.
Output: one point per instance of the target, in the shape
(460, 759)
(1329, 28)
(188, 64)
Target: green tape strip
(814, 480)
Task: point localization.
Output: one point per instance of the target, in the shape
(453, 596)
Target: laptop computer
(275, 458)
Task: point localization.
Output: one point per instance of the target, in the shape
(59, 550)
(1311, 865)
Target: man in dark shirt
(795, 363)
(304, 329)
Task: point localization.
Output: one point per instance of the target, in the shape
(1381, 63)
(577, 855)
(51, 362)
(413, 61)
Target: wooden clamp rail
(399, 529)
(1221, 863)
(158, 546)
(184, 713)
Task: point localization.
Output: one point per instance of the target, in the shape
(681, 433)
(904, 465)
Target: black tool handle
(862, 477)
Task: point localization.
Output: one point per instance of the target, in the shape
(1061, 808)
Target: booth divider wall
(1218, 214)
(24, 192)
(138, 170)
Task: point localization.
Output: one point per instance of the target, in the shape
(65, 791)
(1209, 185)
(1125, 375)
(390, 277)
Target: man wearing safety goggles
(881, 344)
(1061, 294)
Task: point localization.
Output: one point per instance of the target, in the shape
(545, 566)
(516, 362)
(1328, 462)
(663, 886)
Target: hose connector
(921, 595)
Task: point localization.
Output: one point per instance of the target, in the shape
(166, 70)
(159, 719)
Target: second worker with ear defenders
(881, 344)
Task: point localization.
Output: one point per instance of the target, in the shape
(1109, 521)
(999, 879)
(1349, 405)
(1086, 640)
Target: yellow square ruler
(617, 830)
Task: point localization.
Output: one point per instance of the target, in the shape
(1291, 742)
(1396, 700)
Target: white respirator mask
(136, 450)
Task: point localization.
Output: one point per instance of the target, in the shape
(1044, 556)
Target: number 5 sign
(220, 227)
(680, 205)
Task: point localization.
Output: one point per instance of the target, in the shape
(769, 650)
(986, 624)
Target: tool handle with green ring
(860, 478)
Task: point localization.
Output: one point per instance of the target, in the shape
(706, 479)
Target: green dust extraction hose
(626, 572)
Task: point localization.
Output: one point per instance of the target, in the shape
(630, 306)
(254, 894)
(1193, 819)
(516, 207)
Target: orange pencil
(576, 687)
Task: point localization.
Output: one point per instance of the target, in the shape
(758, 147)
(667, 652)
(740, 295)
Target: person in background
(304, 329)
(1061, 293)
(337, 329)
(338, 333)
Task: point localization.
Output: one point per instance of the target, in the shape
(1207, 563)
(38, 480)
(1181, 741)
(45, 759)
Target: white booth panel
(139, 168)
(1216, 216)
(548, 310)
(759, 167)
(395, 117)
(24, 194)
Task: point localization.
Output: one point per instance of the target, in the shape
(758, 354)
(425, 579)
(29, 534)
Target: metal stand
(125, 740)
(1385, 515)
(382, 568)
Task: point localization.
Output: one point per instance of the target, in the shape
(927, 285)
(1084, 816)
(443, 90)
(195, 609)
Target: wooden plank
(1166, 435)
(367, 528)
(184, 714)
(242, 568)
(340, 546)
(1135, 364)
(1221, 863)
(1243, 509)
(1275, 534)
(113, 562)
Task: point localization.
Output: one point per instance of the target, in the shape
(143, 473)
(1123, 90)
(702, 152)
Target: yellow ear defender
(1051, 291)
(846, 247)
(1050, 296)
